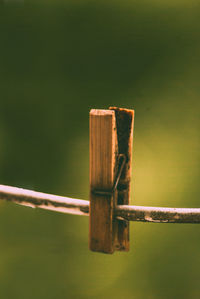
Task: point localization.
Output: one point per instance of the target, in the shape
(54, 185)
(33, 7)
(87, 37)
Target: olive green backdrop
(57, 61)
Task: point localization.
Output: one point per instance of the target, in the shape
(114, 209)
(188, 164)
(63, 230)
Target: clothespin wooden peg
(111, 135)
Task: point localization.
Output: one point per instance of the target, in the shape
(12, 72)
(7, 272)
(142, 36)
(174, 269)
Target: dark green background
(57, 61)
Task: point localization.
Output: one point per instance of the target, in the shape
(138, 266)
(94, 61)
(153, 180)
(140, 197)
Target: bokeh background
(59, 59)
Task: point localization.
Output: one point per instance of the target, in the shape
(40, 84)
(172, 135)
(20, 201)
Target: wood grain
(103, 157)
(124, 123)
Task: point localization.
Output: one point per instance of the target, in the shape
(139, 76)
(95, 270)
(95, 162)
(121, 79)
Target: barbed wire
(74, 206)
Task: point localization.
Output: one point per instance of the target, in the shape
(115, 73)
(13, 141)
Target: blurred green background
(57, 61)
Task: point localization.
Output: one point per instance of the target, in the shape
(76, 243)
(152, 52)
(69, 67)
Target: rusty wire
(81, 207)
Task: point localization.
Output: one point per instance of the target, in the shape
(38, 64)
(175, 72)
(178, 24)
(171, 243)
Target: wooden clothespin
(111, 136)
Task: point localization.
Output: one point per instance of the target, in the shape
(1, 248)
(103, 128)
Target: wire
(158, 214)
(41, 200)
(74, 206)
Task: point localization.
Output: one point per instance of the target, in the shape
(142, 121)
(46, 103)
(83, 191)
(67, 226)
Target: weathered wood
(103, 164)
(124, 122)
